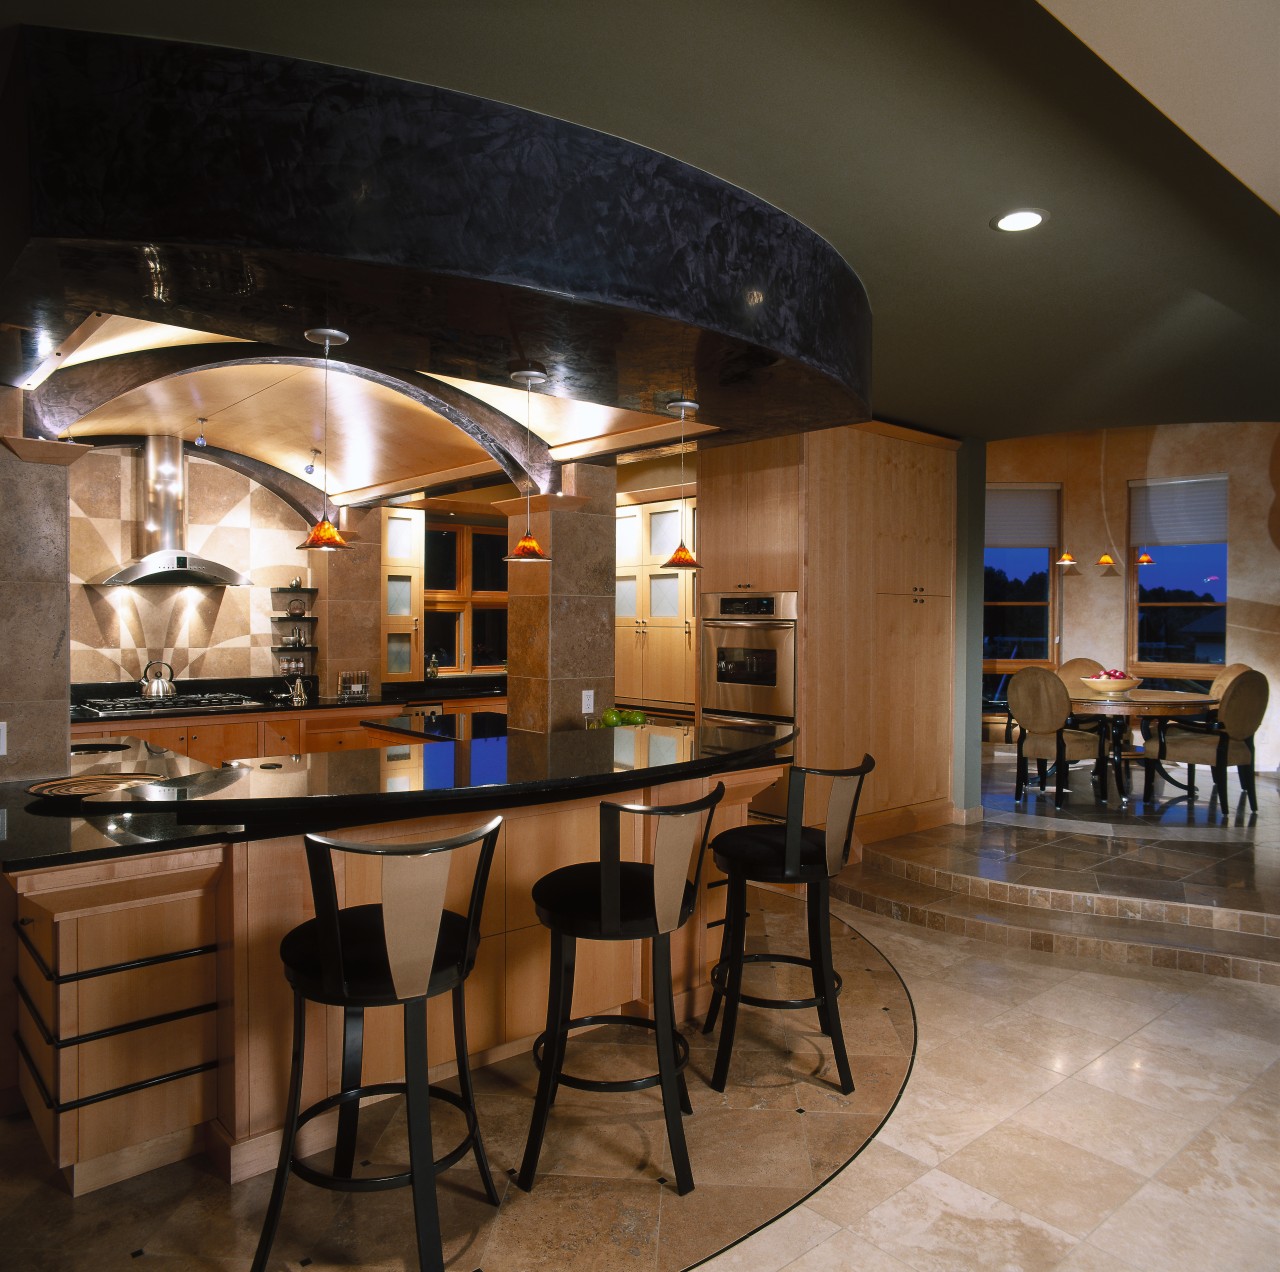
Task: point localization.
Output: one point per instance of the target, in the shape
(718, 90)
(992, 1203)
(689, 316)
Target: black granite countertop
(271, 695)
(446, 764)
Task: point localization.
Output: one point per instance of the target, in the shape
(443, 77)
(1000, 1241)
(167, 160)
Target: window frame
(1166, 670)
(463, 600)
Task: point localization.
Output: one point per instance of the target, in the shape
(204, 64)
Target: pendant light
(1145, 558)
(681, 558)
(324, 536)
(528, 374)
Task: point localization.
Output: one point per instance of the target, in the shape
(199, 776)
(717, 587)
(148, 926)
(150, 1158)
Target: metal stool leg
(344, 1153)
(664, 1019)
(822, 959)
(426, 1215)
(813, 921)
(713, 1008)
(733, 981)
(468, 1092)
(559, 1003)
(289, 1134)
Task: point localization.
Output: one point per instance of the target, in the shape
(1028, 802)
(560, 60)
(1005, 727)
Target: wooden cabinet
(750, 516)
(280, 736)
(654, 655)
(403, 543)
(915, 512)
(342, 730)
(216, 743)
(117, 1015)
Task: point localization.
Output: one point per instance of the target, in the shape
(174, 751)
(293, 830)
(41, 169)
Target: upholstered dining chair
(1225, 742)
(1071, 673)
(1041, 705)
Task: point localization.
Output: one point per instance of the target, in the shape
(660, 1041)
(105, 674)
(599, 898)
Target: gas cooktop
(178, 704)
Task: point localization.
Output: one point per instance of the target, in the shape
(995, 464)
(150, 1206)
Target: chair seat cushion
(364, 950)
(1185, 747)
(757, 852)
(1080, 744)
(568, 900)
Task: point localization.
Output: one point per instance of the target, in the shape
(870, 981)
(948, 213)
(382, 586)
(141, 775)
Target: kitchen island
(152, 1014)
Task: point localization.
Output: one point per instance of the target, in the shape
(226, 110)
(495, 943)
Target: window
(1178, 601)
(1019, 584)
(465, 581)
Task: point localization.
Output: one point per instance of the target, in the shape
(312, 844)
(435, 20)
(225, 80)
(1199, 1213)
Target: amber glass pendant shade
(324, 537)
(1106, 559)
(681, 558)
(528, 374)
(1145, 558)
(1065, 559)
(528, 549)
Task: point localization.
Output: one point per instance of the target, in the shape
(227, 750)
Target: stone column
(560, 616)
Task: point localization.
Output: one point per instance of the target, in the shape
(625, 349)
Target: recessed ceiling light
(1019, 219)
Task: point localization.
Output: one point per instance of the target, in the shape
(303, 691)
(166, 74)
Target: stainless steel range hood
(162, 555)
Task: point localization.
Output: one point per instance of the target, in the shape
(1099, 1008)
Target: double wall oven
(749, 656)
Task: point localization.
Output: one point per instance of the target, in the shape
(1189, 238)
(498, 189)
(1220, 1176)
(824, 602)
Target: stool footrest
(595, 1084)
(719, 975)
(380, 1183)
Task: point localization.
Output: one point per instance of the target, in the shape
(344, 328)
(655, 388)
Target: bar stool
(399, 953)
(792, 853)
(615, 900)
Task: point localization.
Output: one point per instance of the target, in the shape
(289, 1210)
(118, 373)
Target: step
(950, 903)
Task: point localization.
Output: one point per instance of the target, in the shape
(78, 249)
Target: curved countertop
(442, 765)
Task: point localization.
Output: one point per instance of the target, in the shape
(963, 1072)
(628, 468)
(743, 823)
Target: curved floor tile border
(600, 1203)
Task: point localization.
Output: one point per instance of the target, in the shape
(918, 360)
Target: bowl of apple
(1111, 682)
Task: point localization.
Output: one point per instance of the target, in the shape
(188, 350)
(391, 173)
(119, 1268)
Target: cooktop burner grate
(178, 703)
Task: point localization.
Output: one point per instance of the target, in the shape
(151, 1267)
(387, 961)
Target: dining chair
(398, 953)
(1071, 673)
(1041, 705)
(1225, 742)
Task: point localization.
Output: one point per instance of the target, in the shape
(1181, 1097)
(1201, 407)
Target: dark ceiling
(896, 129)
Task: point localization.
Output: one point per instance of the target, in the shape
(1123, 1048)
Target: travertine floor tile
(774, 1247)
(1066, 1186)
(1048, 1043)
(1158, 1231)
(844, 1251)
(1083, 1008)
(939, 1223)
(872, 1177)
(1164, 1079)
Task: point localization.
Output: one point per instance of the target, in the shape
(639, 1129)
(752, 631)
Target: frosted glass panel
(662, 749)
(625, 598)
(400, 539)
(664, 595)
(399, 653)
(624, 749)
(629, 538)
(399, 595)
(664, 533)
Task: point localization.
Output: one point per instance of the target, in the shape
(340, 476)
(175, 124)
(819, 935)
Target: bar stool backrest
(415, 878)
(680, 843)
(1244, 703)
(842, 808)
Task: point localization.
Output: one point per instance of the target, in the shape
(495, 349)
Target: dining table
(1119, 709)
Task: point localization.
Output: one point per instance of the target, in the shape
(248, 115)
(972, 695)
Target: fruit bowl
(1110, 684)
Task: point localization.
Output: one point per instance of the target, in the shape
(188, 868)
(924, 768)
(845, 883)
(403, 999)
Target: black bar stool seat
(400, 952)
(790, 853)
(615, 900)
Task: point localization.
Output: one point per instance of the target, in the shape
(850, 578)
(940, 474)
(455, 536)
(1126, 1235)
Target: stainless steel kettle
(157, 686)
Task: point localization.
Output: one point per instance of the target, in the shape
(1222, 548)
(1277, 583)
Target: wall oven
(749, 655)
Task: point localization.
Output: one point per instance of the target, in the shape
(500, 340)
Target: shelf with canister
(293, 628)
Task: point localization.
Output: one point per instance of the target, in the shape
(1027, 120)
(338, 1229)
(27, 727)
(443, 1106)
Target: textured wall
(204, 631)
(33, 610)
(1095, 468)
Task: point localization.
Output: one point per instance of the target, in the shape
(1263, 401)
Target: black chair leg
(344, 1153)
(813, 921)
(1220, 787)
(1019, 775)
(468, 1093)
(272, 1220)
(713, 1008)
(1191, 781)
(1059, 782)
(733, 981)
(1246, 772)
(668, 1074)
(822, 959)
(426, 1215)
(559, 1004)
(1042, 772)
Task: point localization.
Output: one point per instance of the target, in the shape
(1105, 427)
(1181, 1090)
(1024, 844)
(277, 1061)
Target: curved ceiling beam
(254, 195)
(76, 391)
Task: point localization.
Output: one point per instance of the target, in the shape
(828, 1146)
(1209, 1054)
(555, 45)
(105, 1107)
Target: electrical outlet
(588, 702)
(4, 738)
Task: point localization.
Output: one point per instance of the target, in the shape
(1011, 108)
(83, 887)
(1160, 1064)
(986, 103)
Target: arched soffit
(254, 195)
(75, 392)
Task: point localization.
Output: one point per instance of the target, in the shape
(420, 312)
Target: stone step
(1060, 928)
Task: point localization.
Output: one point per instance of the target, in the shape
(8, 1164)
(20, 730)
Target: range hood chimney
(162, 555)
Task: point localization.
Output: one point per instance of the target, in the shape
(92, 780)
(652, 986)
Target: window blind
(1173, 512)
(1022, 517)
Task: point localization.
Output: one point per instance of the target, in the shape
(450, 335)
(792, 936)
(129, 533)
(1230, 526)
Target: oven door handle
(730, 625)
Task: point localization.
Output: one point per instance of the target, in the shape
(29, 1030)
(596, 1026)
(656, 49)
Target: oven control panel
(748, 605)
